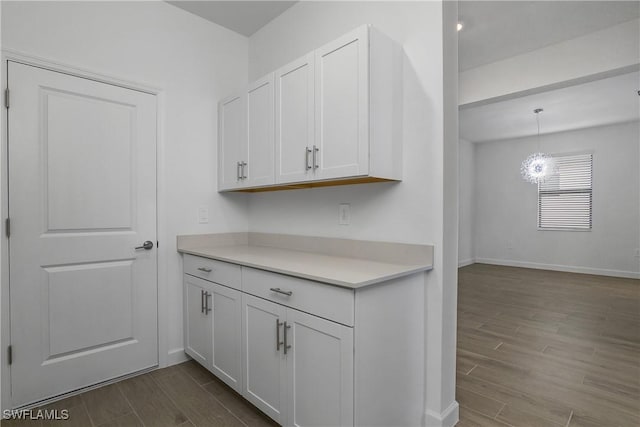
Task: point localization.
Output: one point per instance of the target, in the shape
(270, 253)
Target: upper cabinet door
(232, 140)
(295, 120)
(258, 164)
(342, 107)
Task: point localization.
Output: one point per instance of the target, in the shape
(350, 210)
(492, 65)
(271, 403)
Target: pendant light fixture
(538, 167)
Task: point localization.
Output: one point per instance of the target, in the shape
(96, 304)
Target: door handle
(307, 151)
(278, 342)
(148, 245)
(315, 157)
(286, 347)
(207, 309)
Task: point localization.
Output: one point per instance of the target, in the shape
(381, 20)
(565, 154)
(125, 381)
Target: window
(565, 199)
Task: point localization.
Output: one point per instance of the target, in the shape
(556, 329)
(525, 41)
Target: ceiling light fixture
(538, 167)
(460, 25)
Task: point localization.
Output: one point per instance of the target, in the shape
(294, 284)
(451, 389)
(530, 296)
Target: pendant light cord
(538, 111)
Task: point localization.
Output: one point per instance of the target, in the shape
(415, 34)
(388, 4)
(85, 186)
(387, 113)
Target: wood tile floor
(184, 395)
(542, 348)
(535, 349)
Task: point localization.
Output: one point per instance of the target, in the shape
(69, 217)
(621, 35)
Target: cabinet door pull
(278, 342)
(307, 151)
(207, 309)
(244, 170)
(286, 346)
(280, 291)
(238, 176)
(315, 157)
(205, 269)
(201, 301)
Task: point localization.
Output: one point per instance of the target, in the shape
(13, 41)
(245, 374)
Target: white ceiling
(244, 17)
(597, 103)
(495, 30)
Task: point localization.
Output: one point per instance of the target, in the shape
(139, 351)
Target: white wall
(396, 212)
(561, 64)
(194, 62)
(411, 211)
(506, 211)
(467, 179)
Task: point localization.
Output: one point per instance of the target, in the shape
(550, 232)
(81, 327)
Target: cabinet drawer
(212, 270)
(327, 301)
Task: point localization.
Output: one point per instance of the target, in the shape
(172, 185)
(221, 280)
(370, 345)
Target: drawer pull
(280, 291)
(205, 269)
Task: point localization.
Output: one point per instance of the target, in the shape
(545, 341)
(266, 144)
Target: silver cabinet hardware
(280, 291)
(244, 170)
(238, 176)
(201, 301)
(278, 342)
(205, 269)
(307, 151)
(207, 309)
(286, 346)
(148, 245)
(315, 157)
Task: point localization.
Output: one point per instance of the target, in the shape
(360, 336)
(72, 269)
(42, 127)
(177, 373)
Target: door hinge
(7, 227)
(6, 97)
(10, 354)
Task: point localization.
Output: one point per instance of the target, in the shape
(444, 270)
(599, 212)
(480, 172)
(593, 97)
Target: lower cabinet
(308, 353)
(213, 328)
(297, 368)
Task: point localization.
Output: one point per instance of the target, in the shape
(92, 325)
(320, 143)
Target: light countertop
(348, 272)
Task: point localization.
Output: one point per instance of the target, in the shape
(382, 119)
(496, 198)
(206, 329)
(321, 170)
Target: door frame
(161, 221)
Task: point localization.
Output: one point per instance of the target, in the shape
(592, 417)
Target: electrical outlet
(344, 214)
(203, 215)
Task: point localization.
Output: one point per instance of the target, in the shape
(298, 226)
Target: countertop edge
(350, 285)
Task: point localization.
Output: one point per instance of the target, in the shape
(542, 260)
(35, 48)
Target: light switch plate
(344, 214)
(203, 215)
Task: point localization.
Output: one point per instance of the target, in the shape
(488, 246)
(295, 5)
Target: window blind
(565, 199)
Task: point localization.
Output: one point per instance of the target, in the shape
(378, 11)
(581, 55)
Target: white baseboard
(175, 356)
(558, 267)
(448, 418)
(465, 262)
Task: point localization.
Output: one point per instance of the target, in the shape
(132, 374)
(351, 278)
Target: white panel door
(264, 361)
(232, 142)
(227, 335)
(198, 328)
(342, 112)
(319, 371)
(82, 196)
(259, 160)
(295, 121)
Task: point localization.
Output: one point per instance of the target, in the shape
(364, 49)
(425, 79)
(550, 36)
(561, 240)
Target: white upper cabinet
(258, 165)
(232, 137)
(294, 120)
(341, 146)
(337, 118)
